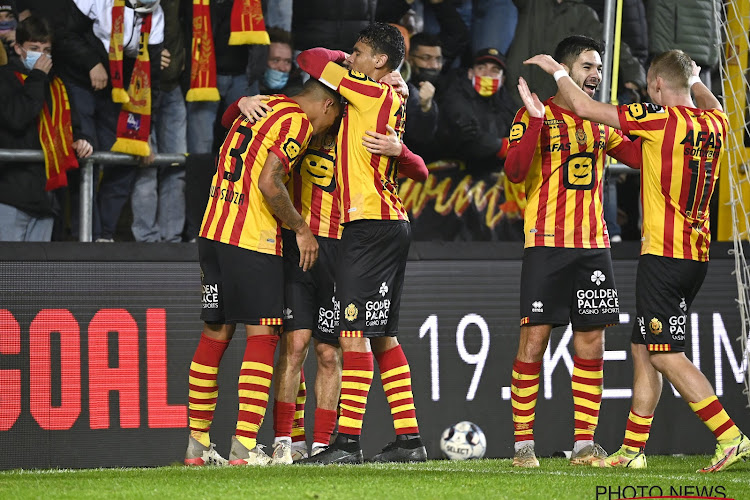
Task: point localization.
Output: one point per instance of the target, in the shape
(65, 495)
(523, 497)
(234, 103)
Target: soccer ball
(463, 441)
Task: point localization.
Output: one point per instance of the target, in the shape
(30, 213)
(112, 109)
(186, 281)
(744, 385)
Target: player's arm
(704, 98)
(581, 104)
(524, 134)
(271, 185)
(628, 152)
(253, 107)
(355, 87)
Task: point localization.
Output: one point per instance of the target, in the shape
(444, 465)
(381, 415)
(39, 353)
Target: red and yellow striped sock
(254, 383)
(636, 432)
(298, 427)
(587, 396)
(524, 388)
(203, 388)
(396, 378)
(356, 379)
(716, 419)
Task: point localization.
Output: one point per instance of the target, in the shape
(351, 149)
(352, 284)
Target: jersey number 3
(236, 153)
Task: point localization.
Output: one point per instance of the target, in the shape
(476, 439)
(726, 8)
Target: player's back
(237, 213)
(682, 151)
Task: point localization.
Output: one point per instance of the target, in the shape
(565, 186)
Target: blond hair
(675, 67)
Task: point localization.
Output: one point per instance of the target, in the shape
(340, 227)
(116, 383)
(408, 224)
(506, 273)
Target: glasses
(426, 58)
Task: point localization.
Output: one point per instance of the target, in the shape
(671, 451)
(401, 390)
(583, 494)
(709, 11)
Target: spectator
(476, 112)
(426, 62)
(27, 205)
(278, 13)
(442, 18)
(281, 76)
(493, 24)
(8, 23)
(697, 35)
(158, 199)
(542, 24)
(331, 24)
(84, 67)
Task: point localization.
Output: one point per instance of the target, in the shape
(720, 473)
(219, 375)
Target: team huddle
(304, 209)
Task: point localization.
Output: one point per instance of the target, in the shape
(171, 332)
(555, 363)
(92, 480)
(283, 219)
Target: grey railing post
(86, 209)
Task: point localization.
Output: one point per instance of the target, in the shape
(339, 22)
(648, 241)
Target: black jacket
(22, 183)
(471, 126)
(421, 127)
(333, 24)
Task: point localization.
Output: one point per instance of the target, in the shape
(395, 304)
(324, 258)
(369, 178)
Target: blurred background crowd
(463, 60)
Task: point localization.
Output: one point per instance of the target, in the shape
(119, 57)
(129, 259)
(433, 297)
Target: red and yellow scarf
(134, 122)
(56, 135)
(247, 28)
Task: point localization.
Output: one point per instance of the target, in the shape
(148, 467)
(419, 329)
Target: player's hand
(395, 80)
(83, 148)
(696, 68)
(382, 144)
(308, 248)
(254, 107)
(166, 58)
(426, 93)
(44, 63)
(546, 62)
(98, 77)
(533, 105)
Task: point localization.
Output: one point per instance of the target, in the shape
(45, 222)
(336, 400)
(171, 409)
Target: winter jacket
(421, 127)
(634, 26)
(542, 24)
(472, 127)
(22, 183)
(333, 24)
(689, 25)
(83, 41)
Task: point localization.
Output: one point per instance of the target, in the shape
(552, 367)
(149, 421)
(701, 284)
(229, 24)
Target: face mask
(486, 85)
(426, 75)
(8, 25)
(275, 79)
(31, 58)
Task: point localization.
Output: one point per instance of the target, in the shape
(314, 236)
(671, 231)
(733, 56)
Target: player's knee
(329, 360)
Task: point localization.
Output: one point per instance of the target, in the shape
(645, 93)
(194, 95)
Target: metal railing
(87, 176)
(108, 158)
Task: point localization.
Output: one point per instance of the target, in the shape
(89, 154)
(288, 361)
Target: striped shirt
(237, 213)
(313, 189)
(564, 181)
(368, 182)
(682, 151)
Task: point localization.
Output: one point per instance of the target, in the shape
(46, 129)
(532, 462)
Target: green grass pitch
(666, 477)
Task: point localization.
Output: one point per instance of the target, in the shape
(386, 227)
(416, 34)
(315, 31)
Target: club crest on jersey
(581, 136)
(291, 149)
(351, 312)
(655, 326)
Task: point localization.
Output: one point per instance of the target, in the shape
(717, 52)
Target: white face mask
(31, 58)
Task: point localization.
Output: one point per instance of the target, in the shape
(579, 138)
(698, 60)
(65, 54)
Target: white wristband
(559, 74)
(693, 80)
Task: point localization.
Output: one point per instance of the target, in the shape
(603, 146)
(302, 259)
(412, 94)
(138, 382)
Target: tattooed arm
(271, 185)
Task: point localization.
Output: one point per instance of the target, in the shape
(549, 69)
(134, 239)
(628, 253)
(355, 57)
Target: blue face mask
(31, 58)
(275, 79)
(8, 24)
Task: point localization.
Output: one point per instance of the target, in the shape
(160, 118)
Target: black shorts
(664, 290)
(309, 302)
(370, 277)
(561, 285)
(240, 285)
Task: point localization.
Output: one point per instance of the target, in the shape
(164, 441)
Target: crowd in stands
(464, 58)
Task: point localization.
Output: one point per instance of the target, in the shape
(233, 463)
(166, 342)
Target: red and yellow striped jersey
(313, 189)
(564, 182)
(682, 151)
(368, 182)
(237, 213)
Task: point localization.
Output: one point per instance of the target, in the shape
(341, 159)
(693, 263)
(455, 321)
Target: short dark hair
(385, 39)
(317, 89)
(424, 40)
(568, 50)
(278, 35)
(33, 29)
